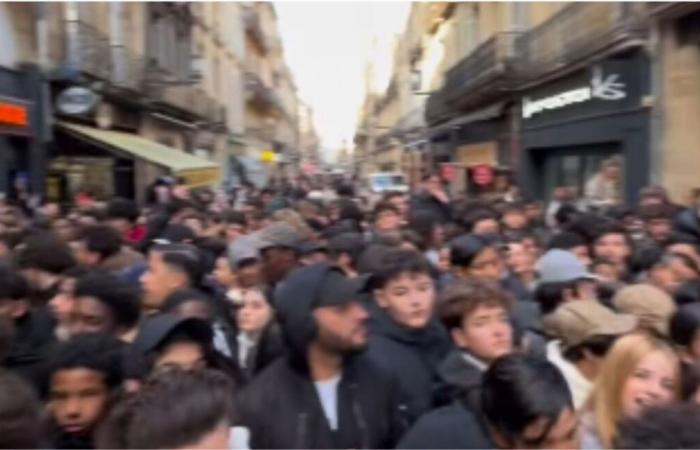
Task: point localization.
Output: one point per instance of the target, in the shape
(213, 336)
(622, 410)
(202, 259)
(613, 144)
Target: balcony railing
(490, 69)
(88, 50)
(260, 94)
(578, 31)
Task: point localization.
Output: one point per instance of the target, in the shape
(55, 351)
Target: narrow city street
(349, 225)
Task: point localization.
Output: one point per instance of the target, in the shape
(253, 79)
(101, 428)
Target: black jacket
(31, 346)
(458, 376)
(453, 426)
(412, 356)
(426, 202)
(281, 407)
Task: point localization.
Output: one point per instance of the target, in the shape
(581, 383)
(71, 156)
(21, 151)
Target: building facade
(110, 96)
(543, 92)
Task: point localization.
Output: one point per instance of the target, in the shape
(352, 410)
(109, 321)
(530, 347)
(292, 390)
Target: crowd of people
(309, 317)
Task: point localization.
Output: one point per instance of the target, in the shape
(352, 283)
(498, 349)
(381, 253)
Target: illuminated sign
(604, 88)
(15, 115)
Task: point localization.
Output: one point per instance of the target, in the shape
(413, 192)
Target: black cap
(309, 247)
(156, 329)
(337, 289)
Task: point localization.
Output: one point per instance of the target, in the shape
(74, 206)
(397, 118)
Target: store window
(573, 167)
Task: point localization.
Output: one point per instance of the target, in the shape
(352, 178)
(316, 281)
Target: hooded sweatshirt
(281, 406)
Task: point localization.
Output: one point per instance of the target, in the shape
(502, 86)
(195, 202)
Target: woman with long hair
(639, 372)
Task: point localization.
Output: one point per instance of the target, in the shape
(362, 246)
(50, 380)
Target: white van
(381, 182)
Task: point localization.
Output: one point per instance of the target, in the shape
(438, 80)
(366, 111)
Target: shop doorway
(571, 166)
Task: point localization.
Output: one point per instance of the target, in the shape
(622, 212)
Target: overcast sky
(327, 45)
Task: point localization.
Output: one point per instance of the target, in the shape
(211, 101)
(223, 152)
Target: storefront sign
(604, 87)
(76, 101)
(612, 86)
(13, 115)
(482, 175)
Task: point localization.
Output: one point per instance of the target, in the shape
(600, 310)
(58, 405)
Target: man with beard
(325, 393)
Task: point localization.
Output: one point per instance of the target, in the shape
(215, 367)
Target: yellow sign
(268, 156)
(483, 153)
(200, 177)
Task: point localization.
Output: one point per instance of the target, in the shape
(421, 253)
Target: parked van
(380, 182)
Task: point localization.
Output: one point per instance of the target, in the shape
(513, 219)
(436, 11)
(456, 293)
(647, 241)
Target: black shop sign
(606, 87)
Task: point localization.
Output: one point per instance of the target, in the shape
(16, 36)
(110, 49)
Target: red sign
(482, 175)
(11, 114)
(448, 171)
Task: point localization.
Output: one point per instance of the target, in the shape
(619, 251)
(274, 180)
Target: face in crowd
(342, 328)
(409, 298)
(613, 247)
(254, 313)
(160, 280)
(78, 398)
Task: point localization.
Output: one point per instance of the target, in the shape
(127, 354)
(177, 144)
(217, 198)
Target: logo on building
(601, 87)
(76, 101)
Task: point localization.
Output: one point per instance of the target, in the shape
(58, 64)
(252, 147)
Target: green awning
(196, 170)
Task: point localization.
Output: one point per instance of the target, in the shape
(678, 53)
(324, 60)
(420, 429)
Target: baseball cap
(279, 234)
(243, 249)
(337, 289)
(558, 266)
(308, 247)
(156, 329)
(577, 321)
(651, 305)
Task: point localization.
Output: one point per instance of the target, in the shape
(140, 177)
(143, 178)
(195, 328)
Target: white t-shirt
(328, 394)
(579, 385)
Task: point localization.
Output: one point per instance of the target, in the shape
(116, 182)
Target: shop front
(570, 125)
(114, 163)
(477, 140)
(22, 136)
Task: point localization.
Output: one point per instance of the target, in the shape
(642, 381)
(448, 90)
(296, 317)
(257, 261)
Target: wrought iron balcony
(488, 71)
(581, 30)
(259, 94)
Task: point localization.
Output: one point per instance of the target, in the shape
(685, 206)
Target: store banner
(606, 87)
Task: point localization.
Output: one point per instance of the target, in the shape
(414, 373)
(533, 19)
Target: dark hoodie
(453, 426)
(281, 407)
(458, 376)
(412, 356)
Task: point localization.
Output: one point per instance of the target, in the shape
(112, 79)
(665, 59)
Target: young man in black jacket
(524, 403)
(405, 338)
(476, 314)
(325, 393)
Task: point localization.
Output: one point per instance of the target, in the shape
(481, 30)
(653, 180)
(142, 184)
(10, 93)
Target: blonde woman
(639, 371)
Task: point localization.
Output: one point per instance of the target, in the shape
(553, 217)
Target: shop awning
(486, 113)
(196, 171)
